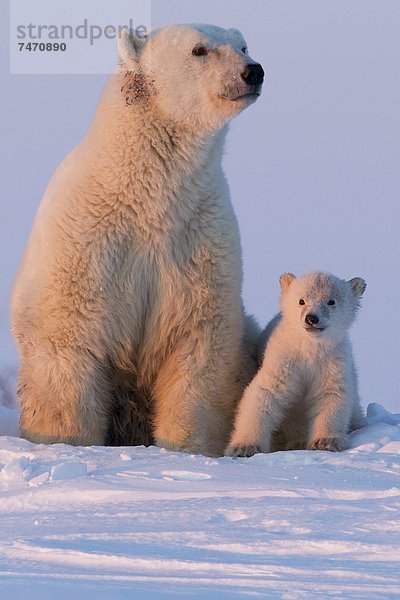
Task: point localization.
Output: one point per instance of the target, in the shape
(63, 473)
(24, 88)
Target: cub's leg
(331, 411)
(261, 412)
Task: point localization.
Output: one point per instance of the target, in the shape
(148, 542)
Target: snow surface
(115, 523)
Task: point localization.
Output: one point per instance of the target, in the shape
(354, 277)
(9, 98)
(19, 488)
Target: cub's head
(201, 75)
(319, 304)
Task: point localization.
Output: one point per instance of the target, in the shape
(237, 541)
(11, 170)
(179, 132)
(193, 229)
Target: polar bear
(127, 306)
(306, 388)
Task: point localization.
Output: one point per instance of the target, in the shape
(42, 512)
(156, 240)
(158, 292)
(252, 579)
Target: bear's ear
(129, 47)
(285, 280)
(358, 286)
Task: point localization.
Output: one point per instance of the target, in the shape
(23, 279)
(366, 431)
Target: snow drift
(115, 523)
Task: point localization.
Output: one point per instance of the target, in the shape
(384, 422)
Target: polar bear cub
(306, 389)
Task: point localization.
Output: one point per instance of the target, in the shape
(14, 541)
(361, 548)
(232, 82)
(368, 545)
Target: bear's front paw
(332, 444)
(243, 451)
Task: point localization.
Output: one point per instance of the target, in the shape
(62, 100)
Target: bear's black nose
(253, 74)
(312, 319)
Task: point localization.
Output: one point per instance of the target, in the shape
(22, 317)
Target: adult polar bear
(127, 307)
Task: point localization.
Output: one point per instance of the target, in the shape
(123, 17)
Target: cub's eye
(301, 302)
(244, 50)
(331, 303)
(199, 51)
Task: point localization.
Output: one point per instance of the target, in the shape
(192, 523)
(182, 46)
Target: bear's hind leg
(194, 401)
(64, 398)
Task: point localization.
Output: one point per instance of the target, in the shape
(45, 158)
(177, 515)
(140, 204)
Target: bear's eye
(331, 303)
(199, 51)
(244, 50)
(301, 302)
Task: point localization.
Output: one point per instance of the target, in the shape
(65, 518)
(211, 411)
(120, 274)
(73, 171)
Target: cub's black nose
(253, 74)
(312, 319)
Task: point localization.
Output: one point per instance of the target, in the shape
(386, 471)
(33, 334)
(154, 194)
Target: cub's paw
(243, 451)
(332, 444)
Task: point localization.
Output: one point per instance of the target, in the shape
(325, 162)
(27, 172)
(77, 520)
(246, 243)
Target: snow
(144, 523)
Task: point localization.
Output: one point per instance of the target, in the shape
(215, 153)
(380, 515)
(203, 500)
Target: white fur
(306, 389)
(127, 307)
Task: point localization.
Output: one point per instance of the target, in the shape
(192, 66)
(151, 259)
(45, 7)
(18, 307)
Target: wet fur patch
(136, 87)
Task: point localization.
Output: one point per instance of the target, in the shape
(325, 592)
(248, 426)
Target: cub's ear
(285, 280)
(129, 47)
(358, 286)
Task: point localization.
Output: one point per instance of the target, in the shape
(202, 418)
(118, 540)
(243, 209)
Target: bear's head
(320, 305)
(199, 75)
